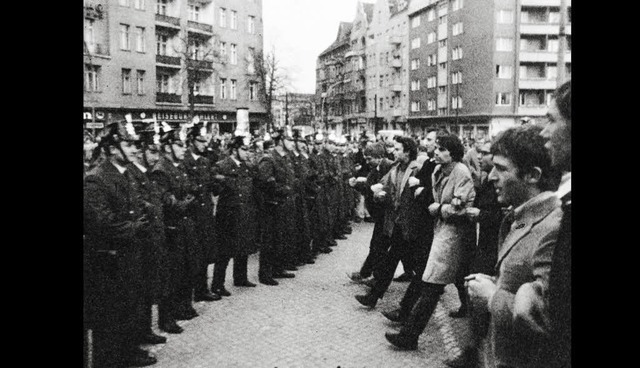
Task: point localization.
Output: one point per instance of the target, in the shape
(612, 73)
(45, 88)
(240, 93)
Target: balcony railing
(170, 60)
(396, 87)
(396, 63)
(207, 28)
(98, 49)
(200, 64)
(168, 97)
(202, 99)
(167, 19)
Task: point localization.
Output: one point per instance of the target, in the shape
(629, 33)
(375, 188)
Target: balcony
(543, 56)
(202, 65)
(168, 97)
(171, 61)
(539, 110)
(395, 40)
(543, 3)
(202, 28)
(167, 21)
(98, 49)
(202, 99)
(537, 84)
(540, 29)
(396, 87)
(396, 63)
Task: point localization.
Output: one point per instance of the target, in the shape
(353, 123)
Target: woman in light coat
(453, 192)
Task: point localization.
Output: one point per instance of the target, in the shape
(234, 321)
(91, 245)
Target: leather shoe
(405, 277)
(468, 358)
(355, 276)
(332, 242)
(370, 282)
(140, 359)
(460, 313)
(369, 219)
(152, 338)
(340, 237)
(222, 292)
(184, 316)
(283, 275)
(170, 327)
(269, 282)
(245, 283)
(367, 300)
(291, 268)
(309, 260)
(206, 296)
(395, 316)
(402, 342)
(325, 250)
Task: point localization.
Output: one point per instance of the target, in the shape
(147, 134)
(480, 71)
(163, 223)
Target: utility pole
(562, 40)
(286, 108)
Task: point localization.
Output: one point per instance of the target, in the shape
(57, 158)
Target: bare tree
(272, 80)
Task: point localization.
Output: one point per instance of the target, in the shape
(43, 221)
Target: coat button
(240, 195)
(520, 226)
(131, 212)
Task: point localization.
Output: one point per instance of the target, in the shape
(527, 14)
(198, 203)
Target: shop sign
(182, 116)
(362, 120)
(94, 125)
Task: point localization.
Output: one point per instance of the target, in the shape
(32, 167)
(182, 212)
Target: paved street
(312, 320)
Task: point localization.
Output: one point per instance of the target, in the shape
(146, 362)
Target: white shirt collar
(234, 160)
(176, 164)
(142, 168)
(195, 157)
(122, 169)
(565, 185)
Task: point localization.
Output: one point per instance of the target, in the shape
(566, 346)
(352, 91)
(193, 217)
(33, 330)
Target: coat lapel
(407, 173)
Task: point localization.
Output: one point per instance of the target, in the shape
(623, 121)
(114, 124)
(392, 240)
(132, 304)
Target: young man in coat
(523, 179)
(543, 307)
(116, 227)
(236, 216)
(397, 192)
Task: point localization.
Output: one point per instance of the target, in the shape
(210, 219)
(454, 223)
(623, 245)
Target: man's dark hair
(408, 145)
(422, 149)
(524, 146)
(562, 96)
(452, 144)
(375, 150)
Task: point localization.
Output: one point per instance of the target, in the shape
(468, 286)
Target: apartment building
(481, 66)
(294, 109)
(143, 57)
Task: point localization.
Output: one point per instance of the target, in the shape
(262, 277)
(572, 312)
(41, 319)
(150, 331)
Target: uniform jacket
(525, 251)
(452, 231)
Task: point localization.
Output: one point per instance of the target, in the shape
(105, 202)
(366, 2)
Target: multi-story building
(144, 57)
(481, 66)
(295, 110)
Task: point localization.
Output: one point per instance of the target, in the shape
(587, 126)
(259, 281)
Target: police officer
(115, 226)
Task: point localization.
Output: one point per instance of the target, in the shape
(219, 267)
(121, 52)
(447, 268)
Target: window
(161, 7)
(431, 15)
(123, 2)
(415, 85)
(415, 22)
(504, 44)
(505, 16)
(456, 4)
(381, 103)
(442, 90)
(234, 19)
(456, 53)
(415, 43)
(431, 82)
(456, 78)
(126, 81)
(504, 71)
(194, 13)
(138, 4)
(251, 24)
(253, 88)
(415, 64)
(532, 71)
(251, 67)
(197, 50)
(415, 106)
(442, 66)
(91, 78)
(234, 84)
(553, 44)
(161, 44)
(554, 17)
(140, 82)
(442, 111)
(89, 36)
(442, 19)
(223, 17)
(431, 37)
(140, 42)
(457, 29)
(223, 88)
(381, 80)
(431, 60)
(124, 37)
(223, 50)
(162, 81)
(197, 87)
(456, 102)
(234, 54)
(503, 99)
(442, 43)
(552, 72)
(431, 105)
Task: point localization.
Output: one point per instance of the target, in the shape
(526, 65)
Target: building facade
(295, 110)
(154, 59)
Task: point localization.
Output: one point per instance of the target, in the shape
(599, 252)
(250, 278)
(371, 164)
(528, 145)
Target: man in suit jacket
(524, 179)
(116, 227)
(544, 307)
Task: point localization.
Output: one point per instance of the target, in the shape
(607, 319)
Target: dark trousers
(377, 252)
(413, 292)
(268, 259)
(220, 271)
(112, 348)
(422, 311)
(400, 249)
(201, 285)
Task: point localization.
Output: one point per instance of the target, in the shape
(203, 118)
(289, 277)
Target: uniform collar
(121, 169)
(142, 168)
(565, 185)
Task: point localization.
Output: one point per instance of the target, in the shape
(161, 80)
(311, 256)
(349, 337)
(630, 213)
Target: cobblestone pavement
(312, 320)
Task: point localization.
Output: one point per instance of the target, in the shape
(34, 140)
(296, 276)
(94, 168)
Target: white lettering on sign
(87, 116)
(95, 125)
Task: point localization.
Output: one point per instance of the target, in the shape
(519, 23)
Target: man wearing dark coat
(320, 214)
(306, 191)
(115, 227)
(236, 216)
(200, 172)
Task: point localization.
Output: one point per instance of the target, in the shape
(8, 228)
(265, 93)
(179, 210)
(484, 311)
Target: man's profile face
(130, 153)
(153, 157)
(430, 142)
(399, 152)
(372, 161)
(179, 150)
(510, 188)
(557, 132)
(486, 158)
(199, 146)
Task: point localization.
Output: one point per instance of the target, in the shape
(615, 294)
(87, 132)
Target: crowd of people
(491, 217)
